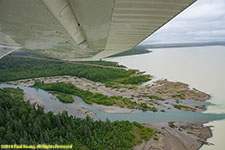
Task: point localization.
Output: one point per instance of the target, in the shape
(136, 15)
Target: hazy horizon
(202, 22)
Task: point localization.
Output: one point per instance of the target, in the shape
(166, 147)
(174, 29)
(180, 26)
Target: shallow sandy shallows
(114, 109)
(163, 89)
(185, 136)
(77, 108)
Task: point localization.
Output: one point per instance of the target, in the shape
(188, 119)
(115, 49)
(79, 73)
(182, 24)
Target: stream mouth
(80, 109)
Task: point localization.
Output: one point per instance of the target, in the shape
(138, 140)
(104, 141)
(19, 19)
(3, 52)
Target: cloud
(205, 10)
(203, 21)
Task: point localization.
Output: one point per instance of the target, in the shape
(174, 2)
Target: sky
(202, 22)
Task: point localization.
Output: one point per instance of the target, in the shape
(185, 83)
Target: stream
(79, 107)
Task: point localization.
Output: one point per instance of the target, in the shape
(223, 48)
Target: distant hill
(193, 44)
(140, 49)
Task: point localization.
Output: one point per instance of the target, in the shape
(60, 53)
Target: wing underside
(83, 29)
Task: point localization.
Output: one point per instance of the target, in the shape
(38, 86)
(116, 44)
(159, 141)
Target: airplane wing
(83, 29)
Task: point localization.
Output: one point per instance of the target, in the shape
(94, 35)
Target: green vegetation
(126, 82)
(156, 138)
(90, 98)
(172, 125)
(65, 98)
(24, 123)
(132, 80)
(21, 68)
(145, 107)
(155, 97)
(182, 107)
(145, 133)
(179, 96)
(68, 88)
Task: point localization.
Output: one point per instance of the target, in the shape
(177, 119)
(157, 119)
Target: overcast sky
(203, 21)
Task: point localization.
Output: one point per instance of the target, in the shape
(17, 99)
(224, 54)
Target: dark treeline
(24, 123)
(12, 69)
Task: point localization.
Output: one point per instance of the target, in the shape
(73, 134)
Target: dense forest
(24, 123)
(21, 68)
(65, 98)
(61, 88)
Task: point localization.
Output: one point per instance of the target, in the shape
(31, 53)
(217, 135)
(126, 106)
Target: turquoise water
(51, 103)
(48, 101)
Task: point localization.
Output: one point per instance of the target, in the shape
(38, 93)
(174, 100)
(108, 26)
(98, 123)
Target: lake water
(200, 67)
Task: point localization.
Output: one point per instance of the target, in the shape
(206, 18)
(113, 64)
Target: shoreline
(114, 109)
(168, 134)
(162, 94)
(184, 136)
(79, 109)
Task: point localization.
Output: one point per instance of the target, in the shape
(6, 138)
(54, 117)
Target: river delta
(176, 110)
